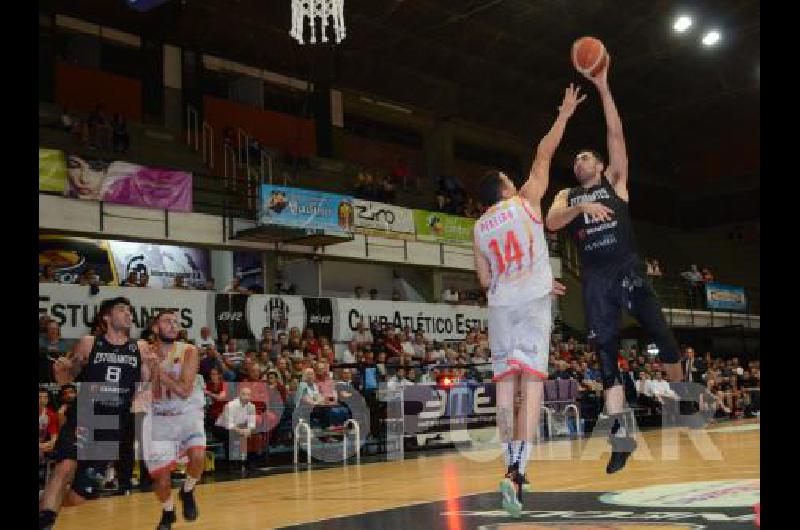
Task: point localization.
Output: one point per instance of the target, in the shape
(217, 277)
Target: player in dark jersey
(109, 368)
(613, 276)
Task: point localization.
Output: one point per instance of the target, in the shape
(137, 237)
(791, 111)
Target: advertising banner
(74, 307)
(725, 297)
(125, 183)
(443, 228)
(386, 217)
(438, 321)
(307, 209)
(52, 170)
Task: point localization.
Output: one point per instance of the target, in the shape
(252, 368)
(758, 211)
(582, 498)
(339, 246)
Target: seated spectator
(284, 367)
(48, 275)
(216, 392)
(209, 285)
(644, 393)
(100, 131)
(274, 384)
(263, 361)
(708, 277)
(236, 287)
(450, 295)
(360, 190)
(398, 379)
(67, 121)
(348, 355)
(52, 342)
(362, 336)
(205, 339)
(120, 137)
(132, 280)
(657, 269)
(89, 277)
(386, 191)
(267, 342)
(309, 342)
(358, 292)
(48, 426)
(400, 172)
(236, 424)
(373, 294)
(180, 282)
(393, 346)
(213, 360)
(419, 345)
(308, 391)
(712, 401)
(144, 280)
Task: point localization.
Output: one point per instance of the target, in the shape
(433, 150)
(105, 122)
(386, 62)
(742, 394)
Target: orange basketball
(589, 56)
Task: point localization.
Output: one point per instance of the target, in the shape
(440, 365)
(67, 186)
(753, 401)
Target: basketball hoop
(324, 10)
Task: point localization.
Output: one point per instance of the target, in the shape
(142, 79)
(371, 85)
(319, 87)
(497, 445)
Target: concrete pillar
(221, 268)
(173, 90)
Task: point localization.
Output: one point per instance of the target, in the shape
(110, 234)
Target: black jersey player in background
(612, 273)
(109, 368)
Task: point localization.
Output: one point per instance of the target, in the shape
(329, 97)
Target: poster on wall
(280, 313)
(161, 263)
(249, 267)
(230, 316)
(74, 307)
(69, 257)
(319, 316)
(126, 183)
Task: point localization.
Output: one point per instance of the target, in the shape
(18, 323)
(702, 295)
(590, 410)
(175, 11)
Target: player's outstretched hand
(558, 288)
(571, 100)
(597, 212)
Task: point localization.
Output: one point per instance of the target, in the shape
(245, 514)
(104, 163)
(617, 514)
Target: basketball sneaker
(511, 503)
(167, 518)
(189, 506)
(621, 449)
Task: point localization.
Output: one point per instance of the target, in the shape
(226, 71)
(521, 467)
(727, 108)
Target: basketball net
(325, 11)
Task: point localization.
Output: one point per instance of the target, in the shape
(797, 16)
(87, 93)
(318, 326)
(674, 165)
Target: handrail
(357, 430)
(302, 424)
(208, 144)
(192, 120)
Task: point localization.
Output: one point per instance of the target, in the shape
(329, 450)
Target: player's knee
(66, 468)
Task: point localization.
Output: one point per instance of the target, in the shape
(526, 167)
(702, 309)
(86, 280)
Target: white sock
(518, 447)
(526, 454)
(168, 505)
(189, 483)
(508, 451)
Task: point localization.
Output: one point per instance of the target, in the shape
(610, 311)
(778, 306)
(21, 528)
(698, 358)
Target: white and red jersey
(511, 237)
(168, 403)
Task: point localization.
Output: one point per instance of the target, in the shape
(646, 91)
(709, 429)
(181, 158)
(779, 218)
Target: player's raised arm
(617, 171)
(536, 185)
(66, 369)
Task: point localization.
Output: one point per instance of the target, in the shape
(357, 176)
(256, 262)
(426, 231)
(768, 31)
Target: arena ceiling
(691, 113)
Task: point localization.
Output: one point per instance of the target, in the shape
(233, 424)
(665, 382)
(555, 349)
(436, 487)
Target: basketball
(589, 56)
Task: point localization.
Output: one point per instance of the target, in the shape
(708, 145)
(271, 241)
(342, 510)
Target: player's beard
(166, 340)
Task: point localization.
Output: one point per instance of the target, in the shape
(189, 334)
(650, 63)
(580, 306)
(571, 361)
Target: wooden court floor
(664, 457)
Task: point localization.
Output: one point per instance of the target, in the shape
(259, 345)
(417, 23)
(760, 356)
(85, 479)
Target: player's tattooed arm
(66, 369)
